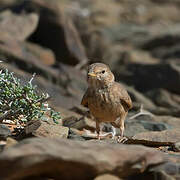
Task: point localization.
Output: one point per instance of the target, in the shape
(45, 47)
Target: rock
(156, 123)
(162, 136)
(139, 97)
(2, 145)
(107, 177)
(154, 126)
(80, 110)
(23, 25)
(162, 98)
(82, 123)
(60, 32)
(75, 134)
(5, 3)
(46, 129)
(142, 79)
(10, 142)
(132, 128)
(46, 56)
(4, 132)
(174, 122)
(177, 147)
(50, 158)
(149, 123)
(28, 53)
(166, 40)
(75, 81)
(128, 33)
(167, 171)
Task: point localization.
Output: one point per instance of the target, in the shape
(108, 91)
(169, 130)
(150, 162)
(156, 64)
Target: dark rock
(2, 145)
(5, 3)
(50, 158)
(167, 38)
(23, 25)
(4, 132)
(136, 96)
(162, 98)
(177, 147)
(168, 171)
(158, 122)
(133, 127)
(127, 33)
(10, 142)
(160, 172)
(75, 134)
(154, 126)
(55, 31)
(82, 123)
(162, 145)
(162, 136)
(152, 76)
(80, 110)
(148, 123)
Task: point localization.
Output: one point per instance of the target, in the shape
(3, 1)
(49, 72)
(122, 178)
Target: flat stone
(4, 131)
(172, 135)
(76, 159)
(46, 129)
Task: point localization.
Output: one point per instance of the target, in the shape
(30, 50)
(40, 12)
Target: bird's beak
(92, 74)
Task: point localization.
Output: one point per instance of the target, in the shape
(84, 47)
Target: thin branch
(7, 114)
(141, 112)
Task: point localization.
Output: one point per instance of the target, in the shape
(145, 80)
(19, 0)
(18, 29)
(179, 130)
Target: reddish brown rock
(66, 159)
(107, 177)
(45, 56)
(18, 27)
(27, 52)
(46, 129)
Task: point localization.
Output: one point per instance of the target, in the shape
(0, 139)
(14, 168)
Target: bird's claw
(122, 139)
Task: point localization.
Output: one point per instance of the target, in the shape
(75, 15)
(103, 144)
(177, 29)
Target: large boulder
(67, 159)
(55, 30)
(17, 26)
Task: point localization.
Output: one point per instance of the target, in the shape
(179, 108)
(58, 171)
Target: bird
(107, 100)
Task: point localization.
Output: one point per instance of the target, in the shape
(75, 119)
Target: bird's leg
(121, 129)
(119, 123)
(99, 135)
(114, 126)
(114, 132)
(98, 129)
(122, 139)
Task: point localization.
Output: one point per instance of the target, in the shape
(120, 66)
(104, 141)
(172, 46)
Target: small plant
(22, 103)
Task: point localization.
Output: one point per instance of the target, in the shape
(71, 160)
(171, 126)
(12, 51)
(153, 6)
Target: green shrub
(22, 103)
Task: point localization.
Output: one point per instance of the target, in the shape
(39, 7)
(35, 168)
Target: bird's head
(99, 75)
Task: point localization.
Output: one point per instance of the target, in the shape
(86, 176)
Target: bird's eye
(103, 71)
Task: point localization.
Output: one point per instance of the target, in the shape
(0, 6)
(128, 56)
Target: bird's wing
(123, 96)
(84, 100)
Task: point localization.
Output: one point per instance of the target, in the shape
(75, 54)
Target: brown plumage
(106, 99)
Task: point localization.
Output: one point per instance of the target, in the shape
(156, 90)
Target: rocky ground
(140, 41)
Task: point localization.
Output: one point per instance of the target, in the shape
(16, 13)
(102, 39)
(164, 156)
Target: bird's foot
(122, 139)
(103, 135)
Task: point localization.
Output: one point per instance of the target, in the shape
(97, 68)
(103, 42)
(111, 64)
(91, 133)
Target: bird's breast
(103, 106)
